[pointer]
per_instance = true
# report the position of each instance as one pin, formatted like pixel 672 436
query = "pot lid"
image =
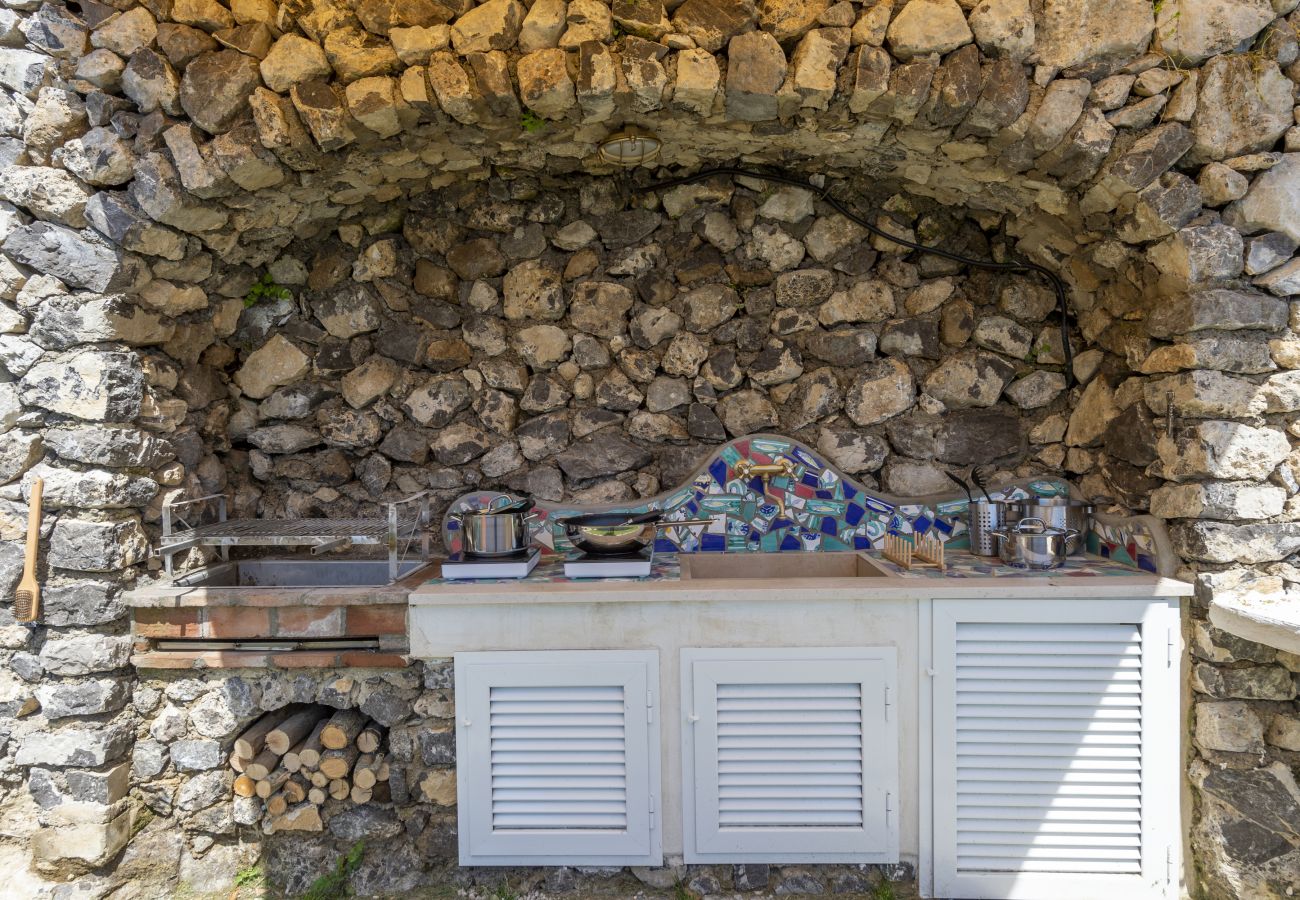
pixel 1036 526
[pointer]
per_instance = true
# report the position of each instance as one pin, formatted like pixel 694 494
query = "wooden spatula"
pixel 27 599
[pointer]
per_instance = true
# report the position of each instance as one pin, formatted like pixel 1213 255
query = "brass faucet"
pixel 747 468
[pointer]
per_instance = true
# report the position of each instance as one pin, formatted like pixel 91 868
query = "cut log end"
pixel 338 763
pixel 370 738
pixel 277 804
pixel 342 728
pixel 286 735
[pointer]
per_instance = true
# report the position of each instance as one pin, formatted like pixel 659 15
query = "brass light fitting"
pixel 633 146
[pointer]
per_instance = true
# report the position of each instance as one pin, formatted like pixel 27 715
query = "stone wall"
pixel 517 335
pixel 160 158
pixel 199 834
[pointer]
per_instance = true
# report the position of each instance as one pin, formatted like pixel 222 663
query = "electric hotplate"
pixel 624 565
pixel 461 566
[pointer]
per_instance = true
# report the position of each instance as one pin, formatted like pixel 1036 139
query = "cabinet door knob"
pixel 466 722
pixel 692 718
pixel 931 672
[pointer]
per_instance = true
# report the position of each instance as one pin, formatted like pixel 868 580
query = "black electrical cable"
pixel 781 178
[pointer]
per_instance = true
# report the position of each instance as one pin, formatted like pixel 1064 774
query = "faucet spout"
pixel 747 468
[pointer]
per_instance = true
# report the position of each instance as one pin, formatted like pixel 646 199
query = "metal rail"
pixel 396 531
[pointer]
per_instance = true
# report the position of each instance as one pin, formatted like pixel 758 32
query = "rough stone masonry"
pixel 475 300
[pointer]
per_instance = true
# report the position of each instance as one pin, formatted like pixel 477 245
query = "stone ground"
pixel 512 891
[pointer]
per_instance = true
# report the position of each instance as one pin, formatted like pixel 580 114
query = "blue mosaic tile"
pixel 718 471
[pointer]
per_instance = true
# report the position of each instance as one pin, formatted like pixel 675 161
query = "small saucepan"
pixel 1033 544
pixel 617 534
pixel 503 529
pixel 1060 512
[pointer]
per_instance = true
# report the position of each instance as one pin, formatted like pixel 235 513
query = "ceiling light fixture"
pixel 630 147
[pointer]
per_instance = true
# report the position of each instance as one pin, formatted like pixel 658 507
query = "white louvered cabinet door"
pixel 557 758
pixel 789 755
pixel 1056 750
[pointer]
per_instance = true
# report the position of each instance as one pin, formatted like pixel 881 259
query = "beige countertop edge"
pixel 172 596
pixel 1270 620
pixel 794 590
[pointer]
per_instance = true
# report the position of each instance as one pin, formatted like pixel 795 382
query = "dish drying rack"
pixel 396 531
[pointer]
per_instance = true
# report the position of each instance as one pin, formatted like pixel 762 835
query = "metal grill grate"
pixel 263 532
pixel 396 531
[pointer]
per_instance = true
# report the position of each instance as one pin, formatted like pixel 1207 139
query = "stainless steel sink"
pixel 773 566
pixel 293 573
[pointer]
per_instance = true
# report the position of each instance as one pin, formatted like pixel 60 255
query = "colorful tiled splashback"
pixel 1130 543
pixel 813 507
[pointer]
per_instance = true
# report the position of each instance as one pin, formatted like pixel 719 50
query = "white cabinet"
pixel 789 755
pixel 557 756
pixel 1055 749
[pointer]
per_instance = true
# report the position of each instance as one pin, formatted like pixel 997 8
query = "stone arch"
pixel 159 158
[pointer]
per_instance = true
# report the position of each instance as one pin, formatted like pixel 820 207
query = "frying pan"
pixel 617 534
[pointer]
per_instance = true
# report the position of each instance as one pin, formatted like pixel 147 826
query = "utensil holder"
pixel 984 517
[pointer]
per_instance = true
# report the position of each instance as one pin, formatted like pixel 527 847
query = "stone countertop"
pixel 1269 619
pixel 963 575
pixel 164 594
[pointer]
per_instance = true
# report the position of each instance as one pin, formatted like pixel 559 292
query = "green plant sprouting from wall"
pixel 252 876
pixel 266 288
pixel 531 122
pixel 334 885
pixel 883 891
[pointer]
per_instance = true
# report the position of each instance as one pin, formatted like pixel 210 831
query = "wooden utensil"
pixel 27 599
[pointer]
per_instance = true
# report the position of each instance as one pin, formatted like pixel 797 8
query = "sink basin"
pixel 297 573
pixel 770 566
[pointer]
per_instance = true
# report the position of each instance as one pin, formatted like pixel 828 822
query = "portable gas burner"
pixel 461 566
pixel 616 565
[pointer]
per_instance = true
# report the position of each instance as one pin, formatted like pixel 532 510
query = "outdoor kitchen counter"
pixel 230 626
pixel 864 603
pixel 165 594
pixel 964 575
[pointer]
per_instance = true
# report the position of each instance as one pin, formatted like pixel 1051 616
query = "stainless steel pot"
pixel 1033 544
pixel 1058 512
pixel 617 534
pixel 503 530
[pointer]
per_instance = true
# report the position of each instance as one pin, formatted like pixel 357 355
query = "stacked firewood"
pixel 297 758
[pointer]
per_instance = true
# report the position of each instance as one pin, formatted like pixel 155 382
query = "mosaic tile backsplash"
pixel 813 508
